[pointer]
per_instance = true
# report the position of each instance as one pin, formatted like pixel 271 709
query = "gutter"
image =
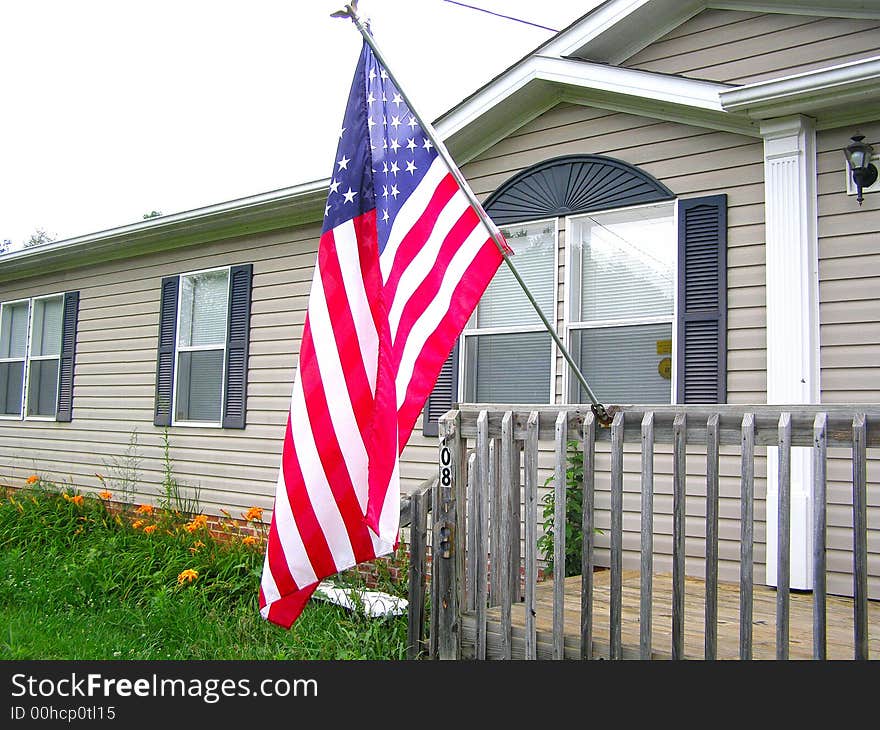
pixel 265 211
pixel 805 91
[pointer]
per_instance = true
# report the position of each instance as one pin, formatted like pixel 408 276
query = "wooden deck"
pixel 839 622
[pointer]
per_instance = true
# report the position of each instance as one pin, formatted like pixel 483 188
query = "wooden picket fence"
pixel 486 601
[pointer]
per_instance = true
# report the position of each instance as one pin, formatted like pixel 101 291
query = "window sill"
pixel 196 424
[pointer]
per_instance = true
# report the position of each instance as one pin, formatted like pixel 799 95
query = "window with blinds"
pixel 36 371
pixel 13 353
pixel 45 356
pixel 508 354
pixel 622 303
pixel 201 346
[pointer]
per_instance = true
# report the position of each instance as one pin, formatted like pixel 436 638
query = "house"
pixel 672 178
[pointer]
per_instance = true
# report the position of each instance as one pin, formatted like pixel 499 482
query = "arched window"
pixel 644 313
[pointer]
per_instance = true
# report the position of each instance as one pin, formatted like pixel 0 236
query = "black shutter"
pixel 443 396
pixel 64 411
pixel 702 300
pixel 235 400
pixel 165 350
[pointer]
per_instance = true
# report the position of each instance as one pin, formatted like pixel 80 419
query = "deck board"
pixel 840 613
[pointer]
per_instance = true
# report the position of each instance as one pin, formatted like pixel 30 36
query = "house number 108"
pixel 445 470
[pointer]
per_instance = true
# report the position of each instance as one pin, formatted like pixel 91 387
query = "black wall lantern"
pixel 864 173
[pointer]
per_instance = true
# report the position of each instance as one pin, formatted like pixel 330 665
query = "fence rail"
pixel 488 467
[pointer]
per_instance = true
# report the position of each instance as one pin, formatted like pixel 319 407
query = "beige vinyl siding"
pixel 743 47
pixel 115 371
pixel 691 162
pixel 849 312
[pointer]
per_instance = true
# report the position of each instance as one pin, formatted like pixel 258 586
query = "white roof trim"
pixel 631 82
pixel 296 204
pixel 702 95
pixel 826 87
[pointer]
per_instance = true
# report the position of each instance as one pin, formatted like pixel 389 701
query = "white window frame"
pixel 31 358
pixel 199 348
pixel 572 325
pixel 471 330
pixel 24 360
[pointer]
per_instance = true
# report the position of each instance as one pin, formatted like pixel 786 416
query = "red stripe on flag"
pixel 345 333
pixel 287 610
pixel 414 239
pixel 426 292
pixel 310 532
pixel 437 346
pixel 332 459
pixel 381 444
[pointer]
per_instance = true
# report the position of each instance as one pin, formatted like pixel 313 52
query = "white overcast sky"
pixel 111 109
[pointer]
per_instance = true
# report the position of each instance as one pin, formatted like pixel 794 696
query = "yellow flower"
pixel 32 479
pixel 150 529
pixel 105 494
pixel 137 523
pixel 187 576
pixel 253 514
pixel 249 540
pixel 66 496
pixel 145 509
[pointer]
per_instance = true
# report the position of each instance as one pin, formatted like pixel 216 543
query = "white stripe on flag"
pixel 434 313
pixel 342 415
pixel 320 495
pixel 424 261
pixel 410 212
pixel 292 546
pixel 353 280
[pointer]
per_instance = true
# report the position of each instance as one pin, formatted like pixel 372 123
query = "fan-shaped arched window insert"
pixel 573 184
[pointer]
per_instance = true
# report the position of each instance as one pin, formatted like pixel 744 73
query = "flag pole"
pixel 350 11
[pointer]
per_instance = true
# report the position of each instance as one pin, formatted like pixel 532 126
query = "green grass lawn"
pixel 78 582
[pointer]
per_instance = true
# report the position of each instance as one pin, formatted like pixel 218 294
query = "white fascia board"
pixel 486 99
pixel 287 206
pixel 600 20
pixel 805 92
pixel 702 95
pixel 565 75
pixel 837 9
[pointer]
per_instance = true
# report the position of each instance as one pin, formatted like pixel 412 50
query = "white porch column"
pixel 792 319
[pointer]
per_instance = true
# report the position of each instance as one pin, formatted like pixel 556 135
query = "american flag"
pixel 402 261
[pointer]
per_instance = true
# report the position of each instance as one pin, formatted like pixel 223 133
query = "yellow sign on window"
pixel 664 347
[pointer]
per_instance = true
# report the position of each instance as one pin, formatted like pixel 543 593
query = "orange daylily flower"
pixel 249 540
pixel 187 576
pixel 32 479
pixel 77 499
pixel 195 546
pixel 105 494
pixel 197 522
pixel 254 513
pixel 137 523
pixel 145 509
pixel 150 529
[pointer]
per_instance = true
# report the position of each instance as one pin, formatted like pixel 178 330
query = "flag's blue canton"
pixel 384 174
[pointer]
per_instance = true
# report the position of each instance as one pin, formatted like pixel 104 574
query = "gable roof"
pixel 579 65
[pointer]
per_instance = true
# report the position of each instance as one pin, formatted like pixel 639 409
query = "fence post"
pixel 448 531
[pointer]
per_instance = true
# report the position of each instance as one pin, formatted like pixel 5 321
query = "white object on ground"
pixel 375 603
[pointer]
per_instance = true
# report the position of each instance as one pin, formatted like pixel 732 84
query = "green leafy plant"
pixel 124 471
pixel 172 498
pixel 574 493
